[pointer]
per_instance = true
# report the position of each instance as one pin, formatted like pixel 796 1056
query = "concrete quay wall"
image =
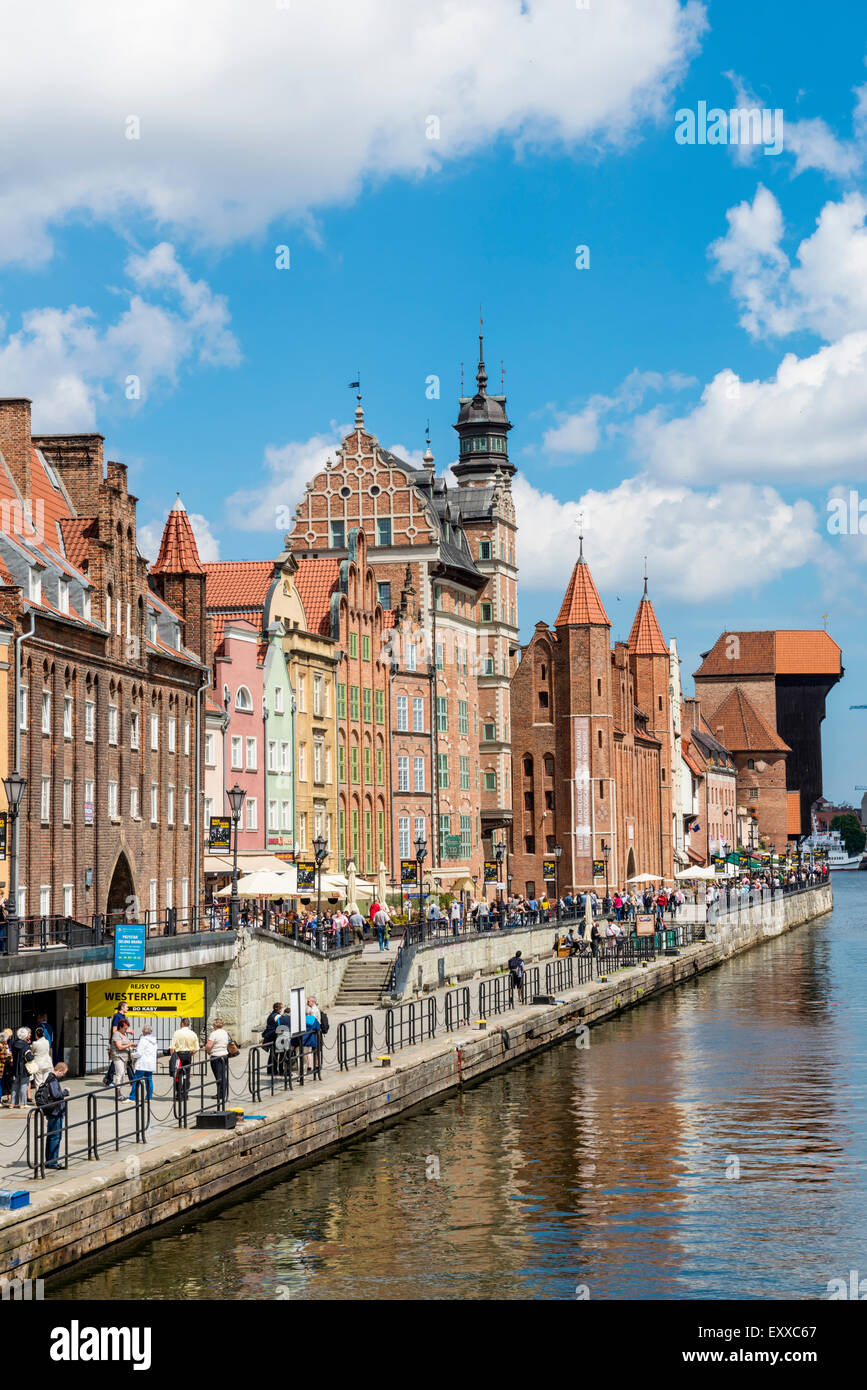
pixel 90 1211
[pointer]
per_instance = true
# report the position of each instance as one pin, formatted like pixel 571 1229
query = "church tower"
pixel 487 513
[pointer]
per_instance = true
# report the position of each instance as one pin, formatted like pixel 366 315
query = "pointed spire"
pixel 646 637
pixel 481 374
pixel 179 553
pixel 645 576
pixel 581 604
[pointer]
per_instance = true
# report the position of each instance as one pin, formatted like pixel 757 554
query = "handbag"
pixel 32 1068
pixel 232 1048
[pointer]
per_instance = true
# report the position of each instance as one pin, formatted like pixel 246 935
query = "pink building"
pixel 239 688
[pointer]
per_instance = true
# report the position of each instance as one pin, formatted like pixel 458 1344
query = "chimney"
pixel 15 441
pixel 116 475
pixel 78 459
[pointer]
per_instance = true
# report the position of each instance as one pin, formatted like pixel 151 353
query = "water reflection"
pixel 710 1144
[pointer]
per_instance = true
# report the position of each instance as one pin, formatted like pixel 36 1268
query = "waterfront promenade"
pixel 78 1212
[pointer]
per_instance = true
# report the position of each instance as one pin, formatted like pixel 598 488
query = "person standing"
pixel 356 922
pixel 185 1045
pixel 47 1030
pixel 42 1056
pixel 51 1098
pixel 516 976
pixel 380 923
pixel 145 1059
pixel 7 1064
pixel 119 1049
pixel 21 1055
pixel 217 1048
pixel 119 1013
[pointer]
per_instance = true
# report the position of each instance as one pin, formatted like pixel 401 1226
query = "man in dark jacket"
pixel 53 1106
pixel 516 976
pixel 270 1033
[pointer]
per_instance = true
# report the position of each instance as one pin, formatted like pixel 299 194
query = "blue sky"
pixel 698 392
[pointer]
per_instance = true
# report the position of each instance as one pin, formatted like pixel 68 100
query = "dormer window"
pixel 35 589
pixel 85 604
pixel 152 627
pixel 63 595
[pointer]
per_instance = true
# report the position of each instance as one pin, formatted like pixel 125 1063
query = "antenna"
pixel 427 434
pixel 645 576
pixel 502 378
pixel 580 524
pixel 462 378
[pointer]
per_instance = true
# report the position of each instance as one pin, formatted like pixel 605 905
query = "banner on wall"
pixel 164 997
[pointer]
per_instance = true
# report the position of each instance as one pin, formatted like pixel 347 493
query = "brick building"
pixel 766 691
pixel 591 747
pixel 105 718
pixel 445 569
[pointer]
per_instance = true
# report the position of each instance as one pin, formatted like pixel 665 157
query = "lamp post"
pixel 420 856
pixel 499 855
pixel 606 853
pixel 14 786
pixel 236 801
pixel 558 850
pixel 320 850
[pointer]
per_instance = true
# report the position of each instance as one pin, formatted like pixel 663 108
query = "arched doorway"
pixel 630 866
pixel 122 888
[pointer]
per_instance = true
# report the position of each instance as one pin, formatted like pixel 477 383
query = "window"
pixel 89 720
pixel 326 691
pixel 528 801
pixel 67 800
pixel 68 892
pixel 45 803
pixel 35 586
pixel 133 732
pixel 187 737
pixel 598 686
pixel 368 766
pixel 402 773
pixel 173 733
pixel 152 896
pixel 112 801
pixel 367 704
pixel 155 732
pixel 528 766
pixel 465 773
pixel 302 694
pixel 463 718
pixel 445 829
pixel 440 656
pixel 185 895
pixel 170 805
pixel 278 700
pixel 252 754
pixel 341 700
pixel 383 593
pixel 338 535
pixel 317 696
pixel 272 814
pixel 488 666
pixel 341 762
pixel 46 711
pixel 418 714
pixel 63 595
pixel 466 837
pixel 170 892
pixel 67 716
pixel 353 762
pixel 272 755
pixel 411 657
pixel 490 781
pixel 44 900
pixel 380 706
pixel 403 837
pixel 85 604
pixel 112 725
pixel 529 844
pixel 487 612
pixel 302 830
pixel 285 815
pixel 754 791
pixel 543 699
pixel 549 766
pixel 210 758
pixel 380 767
pixel 155 803
pixel 302 762
pixel 402 712
pixel 549 801
pixel 489 733
pixel 353 644
pixel 133 803
pixel 442 715
pixel 88 802
pixel 236 757
pixel 365 647
pixel 484 550
pixel 318 760
pixel 186 805
pixel 443 770
pixel 353 702
pixel 252 813
pixel 383 530
pixel 418 774
pixel 751 764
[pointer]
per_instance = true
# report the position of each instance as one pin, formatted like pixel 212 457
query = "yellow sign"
pixel 147 998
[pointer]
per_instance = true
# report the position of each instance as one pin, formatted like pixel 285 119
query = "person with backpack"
pixel 51 1099
pixel 516 976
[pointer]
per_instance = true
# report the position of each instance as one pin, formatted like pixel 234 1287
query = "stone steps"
pixel 363 982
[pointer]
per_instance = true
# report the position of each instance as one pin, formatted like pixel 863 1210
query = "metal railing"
pixel 408 1024
pixel 457 1008
pixel 559 975
pixel 355 1042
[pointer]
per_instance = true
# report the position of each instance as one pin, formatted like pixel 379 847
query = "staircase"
pixel 364 981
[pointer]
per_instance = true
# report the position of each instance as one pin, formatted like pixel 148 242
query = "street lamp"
pixel 499 855
pixel 14 786
pixel 320 850
pixel 558 850
pixel 606 852
pixel 236 801
pixel 420 856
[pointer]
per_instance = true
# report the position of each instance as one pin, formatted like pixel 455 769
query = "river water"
pixel 710 1144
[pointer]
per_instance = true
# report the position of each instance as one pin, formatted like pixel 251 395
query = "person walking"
pixel 51 1099
pixel 22 1055
pixel 516 977
pixel 145 1060
pixel 185 1045
pixel 380 923
pixel 356 922
pixel 217 1048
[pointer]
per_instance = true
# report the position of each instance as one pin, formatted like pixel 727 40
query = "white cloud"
pixel 581 432
pixel 72 366
pixel 270 506
pixel 702 545
pixel 149 536
pixel 251 113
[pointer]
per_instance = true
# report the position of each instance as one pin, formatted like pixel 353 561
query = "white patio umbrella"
pixel 697 871
pixel 644 878
pixel 263 883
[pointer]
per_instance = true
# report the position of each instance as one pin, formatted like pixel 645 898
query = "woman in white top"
pixel 217 1048
pixel 145 1058
pixel 41 1050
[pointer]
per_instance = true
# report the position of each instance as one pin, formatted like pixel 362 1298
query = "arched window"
pixel 750 764
pixel 528 767
pixel 243 698
pixel 549 766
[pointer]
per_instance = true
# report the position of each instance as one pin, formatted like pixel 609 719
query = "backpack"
pixel 44 1099
pixel 323 1023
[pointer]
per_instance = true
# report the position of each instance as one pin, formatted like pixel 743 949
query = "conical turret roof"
pixel 179 553
pixel 646 637
pixel 581 604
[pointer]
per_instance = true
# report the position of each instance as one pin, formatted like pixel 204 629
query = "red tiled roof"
pixel 793 813
pixel 220 621
pixel 5 576
pixel 238 584
pixel 316 579
pixel 646 637
pixel 178 550
pixel 690 761
pixel 807 653
pixel 76 532
pixel 788 652
pixel 744 729
pixel 581 604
